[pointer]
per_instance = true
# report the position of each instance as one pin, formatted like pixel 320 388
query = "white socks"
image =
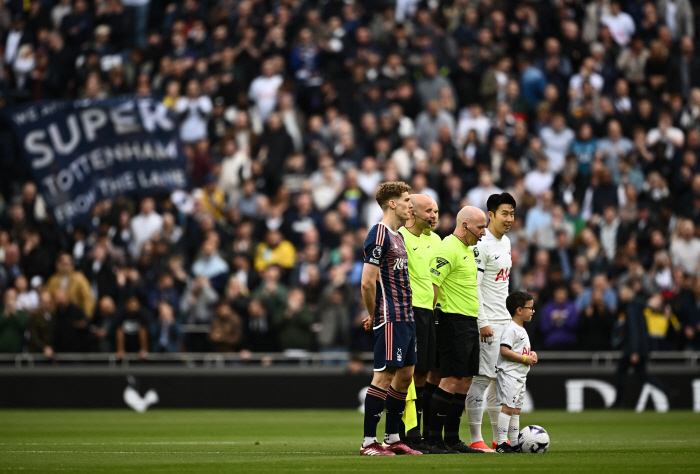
pixel 492 407
pixel 368 440
pixel 514 429
pixel 503 425
pixel 475 406
pixel 392 438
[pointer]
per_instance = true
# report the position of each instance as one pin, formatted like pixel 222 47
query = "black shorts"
pixel 457 338
pixel 425 337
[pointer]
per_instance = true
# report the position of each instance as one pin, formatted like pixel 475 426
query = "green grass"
pixel 283 441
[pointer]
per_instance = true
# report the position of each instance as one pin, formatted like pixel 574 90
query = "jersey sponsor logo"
pixel 441 262
pixel 435 272
pixel 526 351
pixel 503 275
pixel 399 263
pixel 477 260
pixel 377 252
pixel 373 260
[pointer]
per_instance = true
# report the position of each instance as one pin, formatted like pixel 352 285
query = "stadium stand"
pixel 292 112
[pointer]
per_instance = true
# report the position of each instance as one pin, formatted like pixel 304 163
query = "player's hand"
pixel 485 333
pixel 368 323
pixel 530 360
pixel 534 356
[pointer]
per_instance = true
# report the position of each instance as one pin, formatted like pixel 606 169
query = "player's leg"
pixel 425 337
pixel 431 384
pixel 454 418
pixel 507 396
pixel 467 349
pixel 442 397
pixel 475 409
pixel 514 430
pixel 404 341
pixel 375 399
pixel 483 390
pixel 493 408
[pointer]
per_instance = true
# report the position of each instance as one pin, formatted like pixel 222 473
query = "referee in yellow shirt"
pixel 419 238
pixel 453 273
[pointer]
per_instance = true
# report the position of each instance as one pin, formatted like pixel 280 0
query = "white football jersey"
pixel 515 338
pixel 493 259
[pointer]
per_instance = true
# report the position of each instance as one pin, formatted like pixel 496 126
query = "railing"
pixel 603 359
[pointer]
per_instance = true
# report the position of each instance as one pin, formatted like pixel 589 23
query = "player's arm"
pixel 482 320
pixel 368 288
pixel 513 356
pixel 440 267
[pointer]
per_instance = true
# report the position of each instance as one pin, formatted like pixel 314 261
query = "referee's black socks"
pixel 454 417
pixel 428 391
pixel 439 408
pixel 414 433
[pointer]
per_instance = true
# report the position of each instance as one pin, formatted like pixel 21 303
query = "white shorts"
pixel 488 354
pixel 509 391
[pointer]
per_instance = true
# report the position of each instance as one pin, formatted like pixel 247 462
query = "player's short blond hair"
pixel 390 190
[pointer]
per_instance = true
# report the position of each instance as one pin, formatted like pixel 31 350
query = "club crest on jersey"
pixel 399 356
pixel 476 252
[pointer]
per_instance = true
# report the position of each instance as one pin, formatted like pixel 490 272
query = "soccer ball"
pixel 533 439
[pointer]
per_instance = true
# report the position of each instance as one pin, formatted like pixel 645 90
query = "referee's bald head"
pixel 421 201
pixel 471 215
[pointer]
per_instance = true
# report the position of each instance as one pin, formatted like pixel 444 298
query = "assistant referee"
pixel 453 273
pixel 419 238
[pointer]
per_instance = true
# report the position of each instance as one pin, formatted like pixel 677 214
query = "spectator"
pixel 263 90
pixel 620 23
pixel 132 329
pixel 194 110
pixel 102 327
pixel 144 226
pixel 71 327
pixel 166 331
pixel 226 333
pixel 41 327
pixel 74 283
pixel 197 303
pixel 275 250
pixel 27 297
pixel 293 326
pixel 13 323
pixel 662 324
pixel 557 140
pixel 595 325
pixel 685 247
pixel 559 321
pixel 211 265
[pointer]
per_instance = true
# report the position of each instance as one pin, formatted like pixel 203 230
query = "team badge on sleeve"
pixel 377 252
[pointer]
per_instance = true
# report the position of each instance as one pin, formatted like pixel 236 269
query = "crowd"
pixel 293 111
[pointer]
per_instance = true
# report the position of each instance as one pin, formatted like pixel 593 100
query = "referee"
pixel 418 236
pixel 453 273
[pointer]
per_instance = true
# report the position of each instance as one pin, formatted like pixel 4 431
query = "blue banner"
pixel 82 152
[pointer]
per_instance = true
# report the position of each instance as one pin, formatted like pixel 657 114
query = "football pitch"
pixel 284 441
